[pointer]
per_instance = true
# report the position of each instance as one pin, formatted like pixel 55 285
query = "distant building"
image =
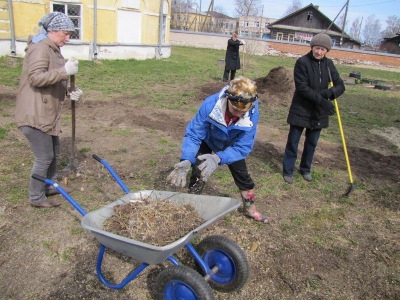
pixel 391 45
pixel 255 27
pixel 189 18
pixel 224 24
pixel 303 24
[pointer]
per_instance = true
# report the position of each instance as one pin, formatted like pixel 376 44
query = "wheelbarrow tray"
pixel 209 208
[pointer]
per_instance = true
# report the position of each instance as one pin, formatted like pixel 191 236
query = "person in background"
pixel 311 104
pixel 232 57
pixel 40 98
pixel 222 133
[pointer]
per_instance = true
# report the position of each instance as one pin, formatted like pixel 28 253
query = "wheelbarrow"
pixel 221 264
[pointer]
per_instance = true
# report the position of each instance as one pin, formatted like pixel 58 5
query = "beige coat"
pixel 42 88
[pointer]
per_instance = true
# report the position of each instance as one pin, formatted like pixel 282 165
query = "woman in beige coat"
pixel 40 97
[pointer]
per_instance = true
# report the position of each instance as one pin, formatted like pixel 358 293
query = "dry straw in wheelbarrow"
pixel 157 223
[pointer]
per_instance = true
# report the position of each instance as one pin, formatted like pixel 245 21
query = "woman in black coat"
pixel 311 104
pixel 232 57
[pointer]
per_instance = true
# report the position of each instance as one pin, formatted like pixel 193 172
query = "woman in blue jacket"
pixel 311 104
pixel 222 132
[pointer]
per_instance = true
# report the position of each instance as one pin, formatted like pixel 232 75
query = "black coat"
pixel 232 57
pixel 311 77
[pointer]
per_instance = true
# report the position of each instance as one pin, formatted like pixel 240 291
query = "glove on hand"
pixel 327 94
pixel 243 42
pixel 209 165
pixel 71 66
pixel 327 106
pixel 76 95
pixel 178 176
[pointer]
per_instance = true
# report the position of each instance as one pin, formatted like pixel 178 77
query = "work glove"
pixel 76 94
pixel 327 106
pixel 327 94
pixel 178 176
pixel 71 66
pixel 243 42
pixel 208 166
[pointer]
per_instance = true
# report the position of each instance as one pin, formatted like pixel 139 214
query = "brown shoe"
pixel 46 204
pixel 53 191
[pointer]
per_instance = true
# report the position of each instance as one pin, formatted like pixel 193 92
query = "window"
pixel 246 23
pixel 266 24
pixel 74 12
pixel 309 16
pixel 257 24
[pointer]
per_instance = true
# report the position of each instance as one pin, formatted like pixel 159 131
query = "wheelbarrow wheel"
pixel 181 282
pixel 233 268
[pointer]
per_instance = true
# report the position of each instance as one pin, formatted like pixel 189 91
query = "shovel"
pixel 72 166
pixel 351 187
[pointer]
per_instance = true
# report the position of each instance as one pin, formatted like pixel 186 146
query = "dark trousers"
pixel 290 156
pixel 46 149
pixel 238 170
pixel 226 74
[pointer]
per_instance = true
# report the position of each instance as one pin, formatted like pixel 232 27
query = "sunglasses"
pixel 241 104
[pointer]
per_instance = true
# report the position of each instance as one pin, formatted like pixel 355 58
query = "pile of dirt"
pixel 158 223
pixel 277 87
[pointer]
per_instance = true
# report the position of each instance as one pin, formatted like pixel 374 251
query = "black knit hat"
pixel 323 40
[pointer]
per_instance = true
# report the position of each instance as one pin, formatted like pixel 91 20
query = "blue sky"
pixel 357 8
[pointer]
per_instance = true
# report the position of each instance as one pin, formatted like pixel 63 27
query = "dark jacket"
pixel 232 57
pixel 311 77
pixel 42 88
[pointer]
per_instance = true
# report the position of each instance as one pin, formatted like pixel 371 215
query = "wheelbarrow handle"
pixel 62 192
pixel 38 177
pixel 96 157
pixel 112 172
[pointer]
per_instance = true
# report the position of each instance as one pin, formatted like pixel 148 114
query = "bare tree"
pixel 355 29
pixel 179 11
pixel 392 28
pixel 340 22
pixel 372 31
pixel 295 6
pixel 248 7
pixel 219 9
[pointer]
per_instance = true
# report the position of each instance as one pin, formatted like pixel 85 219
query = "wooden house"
pixel 303 24
pixel 391 45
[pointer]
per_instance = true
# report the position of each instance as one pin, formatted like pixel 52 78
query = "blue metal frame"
pixel 143 266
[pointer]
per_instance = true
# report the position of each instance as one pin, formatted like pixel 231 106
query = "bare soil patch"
pixel 45 254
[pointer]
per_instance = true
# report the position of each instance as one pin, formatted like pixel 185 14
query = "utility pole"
pixel 199 17
pixel 262 13
pixel 344 23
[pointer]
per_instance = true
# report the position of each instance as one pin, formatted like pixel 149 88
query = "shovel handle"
pixel 342 134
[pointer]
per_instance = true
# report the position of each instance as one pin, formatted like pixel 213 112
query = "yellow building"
pixel 105 29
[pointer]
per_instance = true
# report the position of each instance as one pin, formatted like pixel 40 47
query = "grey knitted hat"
pixel 56 21
pixel 323 40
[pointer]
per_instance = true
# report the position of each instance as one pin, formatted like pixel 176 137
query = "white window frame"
pixel 80 38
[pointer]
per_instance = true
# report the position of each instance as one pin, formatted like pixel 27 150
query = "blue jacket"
pixel 231 143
